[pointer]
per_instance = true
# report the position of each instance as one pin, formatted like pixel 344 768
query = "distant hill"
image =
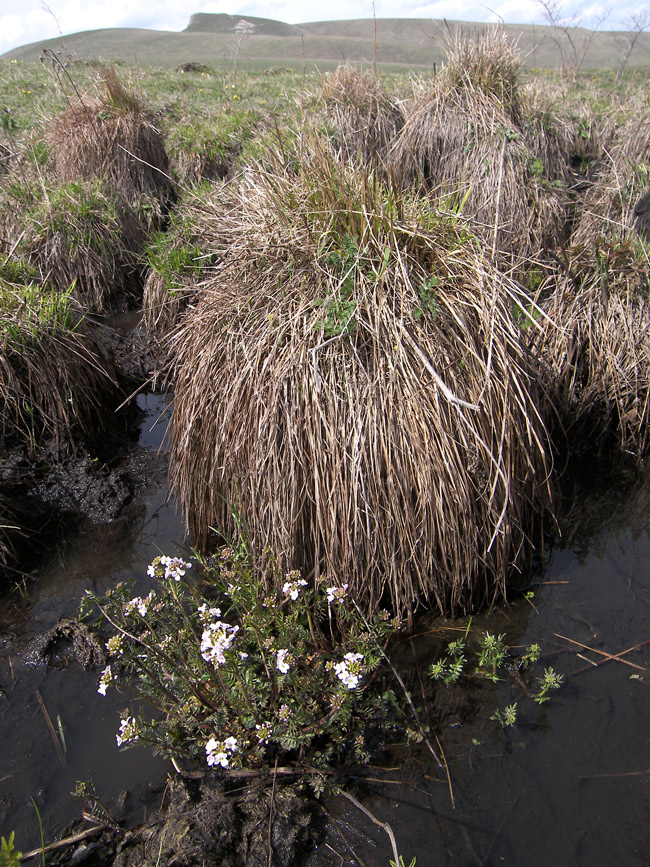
pixel 402 43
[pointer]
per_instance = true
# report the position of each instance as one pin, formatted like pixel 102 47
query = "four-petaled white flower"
pixel 216 639
pixel 284 713
pixel 220 752
pixel 115 644
pixel 292 588
pixel 168 567
pixel 349 671
pixel 139 604
pixel 264 732
pixel 207 614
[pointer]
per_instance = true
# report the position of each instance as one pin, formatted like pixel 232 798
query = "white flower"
pixel 283 661
pixel 128 732
pixel 284 713
pixel 336 594
pixel 138 602
pixel 349 671
pixel 219 752
pixel 292 588
pixel 216 639
pixel 206 614
pixel 174 567
pixel 105 679
pixel 168 567
pixel 264 732
pixel 114 645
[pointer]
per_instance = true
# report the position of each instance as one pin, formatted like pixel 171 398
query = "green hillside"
pixel 401 43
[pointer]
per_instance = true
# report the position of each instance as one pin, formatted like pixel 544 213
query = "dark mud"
pixel 208 823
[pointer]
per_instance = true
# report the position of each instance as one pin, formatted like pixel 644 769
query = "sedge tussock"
pixel 608 211
pixel 596 346
pixel 472 137
pixel 77 234
pixel 53 379
pixel 364 118
pixel 112 136
pixel 178 257
pixel 351 391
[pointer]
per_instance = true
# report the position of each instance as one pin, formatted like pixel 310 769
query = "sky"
pixel 32 20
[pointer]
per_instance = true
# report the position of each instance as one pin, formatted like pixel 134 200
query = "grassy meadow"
pixel 387 304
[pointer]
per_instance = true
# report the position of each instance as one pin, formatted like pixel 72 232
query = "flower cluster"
pixel 336 594
pixel 220 752
pixel 216 639
pixel 142 605
pixel 168 567
pixel 208 614
pixel 129 732
pixel 115 644
pixel 264 732
pixel 293 585
pixel 349 671
pixel 105 680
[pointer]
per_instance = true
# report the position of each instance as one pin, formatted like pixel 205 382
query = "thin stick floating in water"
pixel 609 656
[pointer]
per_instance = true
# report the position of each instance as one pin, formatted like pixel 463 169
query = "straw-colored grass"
pixel 53 381
pixel 364 118
pixel 112 136
pixel 472 137
pixel 596 345
pixel 624 177
pixel 351 393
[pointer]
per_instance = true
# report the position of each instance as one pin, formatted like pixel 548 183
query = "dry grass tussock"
pixel 365 119
pixel 53 381
pixel 111 135
pixel 472 137
pixel 624 176
pixel 351 392
pixel 597 348
pixel 600 350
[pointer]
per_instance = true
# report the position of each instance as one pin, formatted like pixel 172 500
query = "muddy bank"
pixel 90 480
pixel 211 823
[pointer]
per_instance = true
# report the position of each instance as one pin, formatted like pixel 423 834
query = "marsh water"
pixel 33 777
pixel 569 784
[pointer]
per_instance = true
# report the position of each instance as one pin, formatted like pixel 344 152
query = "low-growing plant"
pixel 490 658
pixel 240 678
pixel 9 855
